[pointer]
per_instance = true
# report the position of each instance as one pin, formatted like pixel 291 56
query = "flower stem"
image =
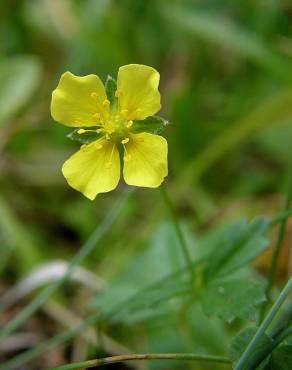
pixel 58 339
pixel 144 356
pixel 178 231
pixel 241 364
pixel 83 252
pixel 277 249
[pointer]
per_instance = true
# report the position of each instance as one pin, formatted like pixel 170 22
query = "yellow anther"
pixel 127 158
pixel 125 141
pixel 98 146
pixel 94 95
pixel 96 116
pixel 106 103
pixel 139 110
pixel 81 131
pixel 119 93
pixel 129 124
pixel 107 136
pixel 124 112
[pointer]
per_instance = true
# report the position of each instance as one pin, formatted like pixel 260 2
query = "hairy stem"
pixel 144 356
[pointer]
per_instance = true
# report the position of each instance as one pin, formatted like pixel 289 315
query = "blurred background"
pixel 226 85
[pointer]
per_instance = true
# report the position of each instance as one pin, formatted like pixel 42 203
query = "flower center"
pixel 116 127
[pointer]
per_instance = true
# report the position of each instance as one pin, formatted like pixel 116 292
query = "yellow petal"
pixel 137 87
pixel 94 169
pixel 145 160
pixel 79 101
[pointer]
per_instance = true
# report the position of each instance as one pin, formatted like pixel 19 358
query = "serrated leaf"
pixel 232 299
pixel 84 138
pixel 240 343
pixel 240 244
pixel 153 124
pixel 281 358
pixel 110 89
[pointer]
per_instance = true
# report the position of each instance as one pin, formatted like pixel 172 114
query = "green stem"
pixel 277 249
pixel 144 356
pixel 178 231
pixel 284 321
pixel 241 365
pixel 268 349
pixel 84 251
pixel 43 347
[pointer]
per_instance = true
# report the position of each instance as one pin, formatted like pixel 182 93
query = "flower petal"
pixel 145 160
pixel 78 101
pixel 138 91
pixel 94 169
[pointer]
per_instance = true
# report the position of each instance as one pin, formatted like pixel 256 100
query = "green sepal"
pixel 110 89
pixel 85 138
pixel 152 124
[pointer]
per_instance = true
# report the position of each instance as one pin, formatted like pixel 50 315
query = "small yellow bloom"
pixel 82 102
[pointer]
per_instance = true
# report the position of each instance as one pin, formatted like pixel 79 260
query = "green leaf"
pixel 111 88
pixel 281 358
pixel 19 79
pixel 240 343
pixel 153 124
pixel 155 264
pixel 231 299
pixel 84 138
pixel 240 244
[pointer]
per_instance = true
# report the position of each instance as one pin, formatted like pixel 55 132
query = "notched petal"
pixel 94 169
pixel 137 86
pixel 145 160
pixel 78 101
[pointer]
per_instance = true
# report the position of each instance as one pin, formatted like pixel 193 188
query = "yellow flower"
pixel 82 102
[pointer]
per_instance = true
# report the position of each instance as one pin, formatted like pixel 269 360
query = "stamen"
pixel 124 112
pixel 139 110
pixel 129 124
pixel 109 163
pixel 96 116
pixel 106 103
pixel 119 93
pixel 127 156
pixel 98 146
pixel 93 95
pixel 125 141
pixel 81 131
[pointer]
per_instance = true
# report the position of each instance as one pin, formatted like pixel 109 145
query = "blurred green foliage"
pixel 226 84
